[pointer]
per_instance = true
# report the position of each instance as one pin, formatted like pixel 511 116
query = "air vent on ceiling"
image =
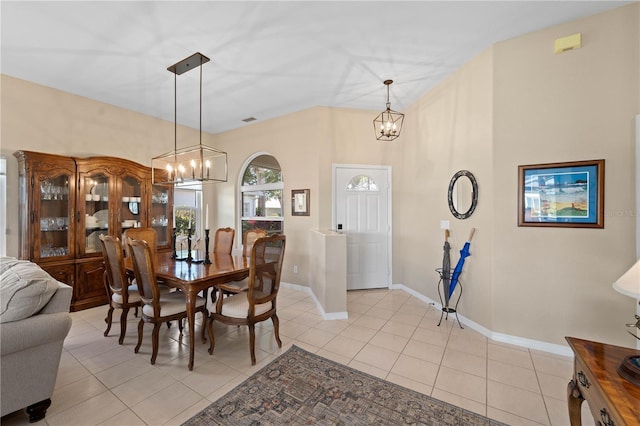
pixel 249 119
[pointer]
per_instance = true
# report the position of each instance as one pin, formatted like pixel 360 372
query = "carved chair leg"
pixel 123 324
pixel 140 327
pixel 108 320
pixel 154 334
pixel 252 343
pixel 38 410
pixel 212 341
pixel 276 329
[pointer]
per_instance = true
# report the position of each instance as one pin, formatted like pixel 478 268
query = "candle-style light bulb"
pixel 193 169
pixel 208 165
pixel 181 170
pixel 169 170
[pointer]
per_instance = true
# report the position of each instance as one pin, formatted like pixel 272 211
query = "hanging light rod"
pixel 388 123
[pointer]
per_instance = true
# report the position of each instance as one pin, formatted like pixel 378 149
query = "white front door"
pixel 362 211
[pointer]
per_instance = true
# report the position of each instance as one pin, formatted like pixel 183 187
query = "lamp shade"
pixel 629 283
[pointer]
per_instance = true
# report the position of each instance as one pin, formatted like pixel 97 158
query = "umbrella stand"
pixel 446 307
pixel 451 279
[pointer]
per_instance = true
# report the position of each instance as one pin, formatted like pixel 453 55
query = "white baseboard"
pixel 498 337
pixel 325 315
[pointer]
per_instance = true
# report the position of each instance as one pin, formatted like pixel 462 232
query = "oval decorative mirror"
pixel 463 194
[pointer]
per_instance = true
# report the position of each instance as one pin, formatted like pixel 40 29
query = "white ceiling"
pixel 268 58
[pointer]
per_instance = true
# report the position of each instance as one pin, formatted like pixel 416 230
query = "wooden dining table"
pixel 192 278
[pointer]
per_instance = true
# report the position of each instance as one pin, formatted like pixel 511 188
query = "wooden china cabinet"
pixel 66 203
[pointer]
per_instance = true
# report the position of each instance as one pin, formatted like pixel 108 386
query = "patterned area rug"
pixel 300 388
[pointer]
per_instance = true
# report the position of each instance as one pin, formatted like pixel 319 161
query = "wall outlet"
pixel 295 269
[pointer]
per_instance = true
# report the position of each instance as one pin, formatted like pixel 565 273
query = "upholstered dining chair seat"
pixel 237 306
pixel 171 304
pixel 134 296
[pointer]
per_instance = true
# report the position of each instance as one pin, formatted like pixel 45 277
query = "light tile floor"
pixel 389 334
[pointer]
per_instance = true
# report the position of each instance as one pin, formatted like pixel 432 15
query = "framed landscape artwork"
pixel 562 194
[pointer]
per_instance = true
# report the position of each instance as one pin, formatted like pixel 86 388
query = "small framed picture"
pixel 568 195
pixel 300 202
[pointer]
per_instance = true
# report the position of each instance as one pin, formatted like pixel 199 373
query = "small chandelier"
pixel 388 123
pixel 197 163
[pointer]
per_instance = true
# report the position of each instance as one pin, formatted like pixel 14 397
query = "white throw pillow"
pixel 24 289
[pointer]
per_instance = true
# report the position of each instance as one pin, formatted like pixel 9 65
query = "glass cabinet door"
pixel 54 212
pixel 161 214
pixel 131 196
pixel 95 217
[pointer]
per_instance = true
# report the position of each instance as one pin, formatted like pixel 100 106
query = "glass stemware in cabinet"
pixel 54 210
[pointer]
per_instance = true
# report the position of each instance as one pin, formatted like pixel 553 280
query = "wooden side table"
pixel 612 399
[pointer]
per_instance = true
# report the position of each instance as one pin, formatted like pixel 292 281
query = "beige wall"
pixel 515 103
pixel 448 130
pixel 578 105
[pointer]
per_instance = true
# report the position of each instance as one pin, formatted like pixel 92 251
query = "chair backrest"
pixel 223 240
pixel 265 270
pixel 144 270
pixel 250 237
pixel 114 265
pixel 145 234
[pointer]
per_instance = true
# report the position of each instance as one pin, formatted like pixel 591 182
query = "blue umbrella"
pixel 464 253
pixel 446 268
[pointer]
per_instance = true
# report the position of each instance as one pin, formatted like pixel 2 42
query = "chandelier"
pixel 388 123
pixel 197 163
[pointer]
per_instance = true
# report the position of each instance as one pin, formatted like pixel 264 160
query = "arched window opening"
pixel 362 183
pixel 262 195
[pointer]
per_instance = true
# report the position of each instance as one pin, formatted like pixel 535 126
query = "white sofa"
pixel 34 321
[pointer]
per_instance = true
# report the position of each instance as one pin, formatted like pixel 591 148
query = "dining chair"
pixel 157 307
pixel 258 303
pixel 223 240
pixel 249 238
pixel 146 234
pixel 151 237
pixel 121 294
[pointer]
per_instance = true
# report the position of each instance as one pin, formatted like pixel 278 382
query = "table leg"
pixel 191 318
pixel 574 401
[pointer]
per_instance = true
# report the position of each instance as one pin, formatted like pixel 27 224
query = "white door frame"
pixel 334 225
